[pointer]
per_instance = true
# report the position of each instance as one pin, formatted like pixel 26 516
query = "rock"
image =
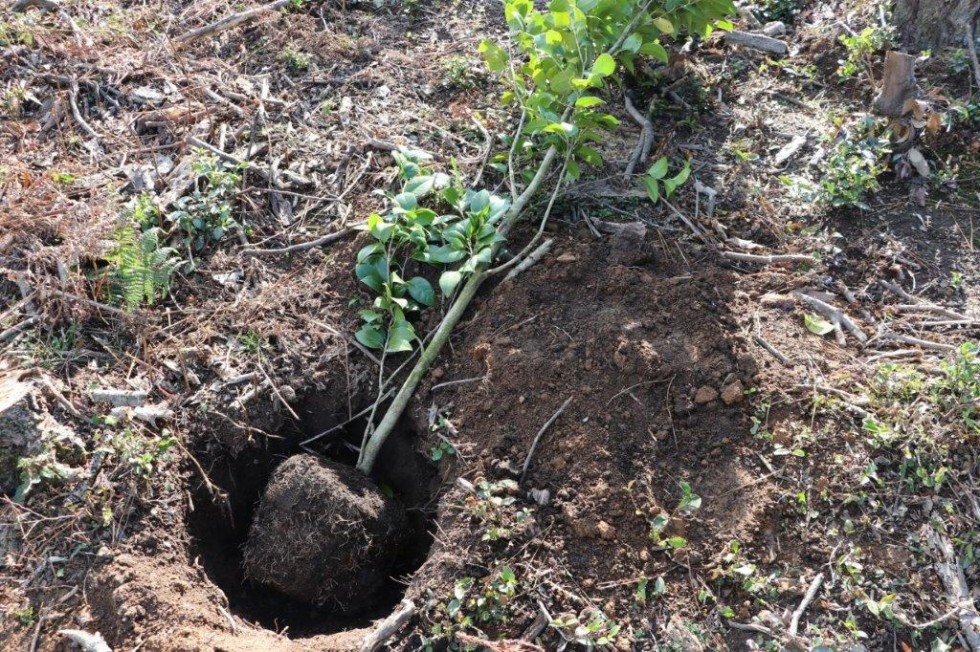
pixel 774 28
pixel 566 258
pixel 629 246
pixel 733 393
pixel 541 496
pixel 705 394
pixel 682 406
pixel 606 531
pixel 324 534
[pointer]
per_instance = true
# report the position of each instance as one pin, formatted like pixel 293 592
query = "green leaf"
pixel 370 316
pixel 479 201
pixel 604 65
pixel 407 201
pixel 448 281
pixel 495 56
pixel 633 43
pixel 663 25
pixel 816 324
pixel 368 274
pixel 653 188
pixel 656 50
pixel 421 290
pixel 371 336
pixel 370 251
pixel 588 101
pixel 676 542
pixel 444 255
pixel 420 186
pixel 400 337
pixel 659 169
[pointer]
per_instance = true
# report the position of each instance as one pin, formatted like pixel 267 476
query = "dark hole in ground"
pixel 219 532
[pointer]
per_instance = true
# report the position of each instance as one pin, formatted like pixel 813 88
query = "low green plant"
pixel 476 603
pixel 139 267
pixel 855 161
pixel 205 215
pixel 592 628
pixel 781 10
pixel 26 616
pixel 659 185
pixel 441 450
pixel 296 61
pixel 458 73
pixel 492 505
pixel 861 49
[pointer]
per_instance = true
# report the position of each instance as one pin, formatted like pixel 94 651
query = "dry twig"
pixel 537 437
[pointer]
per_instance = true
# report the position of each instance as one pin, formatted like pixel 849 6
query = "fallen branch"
pixel 230 21
pixel 837 317
pixel 18 328
pixel 758 42
pixel 537 437
pixel 503 645
pixel 776 353
pixel 925 344
pixel 73 103
pixel 388 627
pixel 811 593
pixel 319 242
pixel 951 573
pixel 971 48
pixel 642 150
pixel 531 259
pixel 768 260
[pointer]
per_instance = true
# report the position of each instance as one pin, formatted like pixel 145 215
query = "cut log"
pixel 898 85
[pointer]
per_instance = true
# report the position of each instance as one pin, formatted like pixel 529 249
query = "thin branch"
pixel 537 437
pixel 767 260
pixel 319 242
pixel 811 593
pixel 229 21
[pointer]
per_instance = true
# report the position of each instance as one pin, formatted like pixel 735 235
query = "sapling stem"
pixel 371 448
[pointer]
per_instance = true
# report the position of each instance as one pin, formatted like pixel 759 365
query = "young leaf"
pixel 588 101
pixel 604 65
pixel 653 188
pixel 659 169
pixel 816 324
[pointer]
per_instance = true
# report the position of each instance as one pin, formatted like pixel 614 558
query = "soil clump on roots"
pixel 324 534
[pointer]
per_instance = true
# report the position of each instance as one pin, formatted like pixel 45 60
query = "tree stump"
pixel 898 85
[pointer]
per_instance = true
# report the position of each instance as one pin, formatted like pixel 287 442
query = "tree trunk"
pixel 933 24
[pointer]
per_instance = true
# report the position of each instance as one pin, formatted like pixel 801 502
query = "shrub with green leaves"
pixel 567 52
pixel 205 214
pixel 456 234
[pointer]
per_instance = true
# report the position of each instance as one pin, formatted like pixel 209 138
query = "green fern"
pixel 140 268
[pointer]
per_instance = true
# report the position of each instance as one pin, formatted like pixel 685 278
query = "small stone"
pixel 705 394
pixel 567 258
pixel 733 393
pixel 606 531
pixel 541 496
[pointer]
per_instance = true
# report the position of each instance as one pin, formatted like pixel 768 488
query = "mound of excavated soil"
pixel 324 534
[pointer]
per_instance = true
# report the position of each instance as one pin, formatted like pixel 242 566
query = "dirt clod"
pixel 705 394
pixel 324 534
pixel 732 393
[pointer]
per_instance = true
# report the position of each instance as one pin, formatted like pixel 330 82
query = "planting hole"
pixel 305 541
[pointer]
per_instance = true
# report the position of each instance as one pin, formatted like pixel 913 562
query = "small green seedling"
pixel 659 185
